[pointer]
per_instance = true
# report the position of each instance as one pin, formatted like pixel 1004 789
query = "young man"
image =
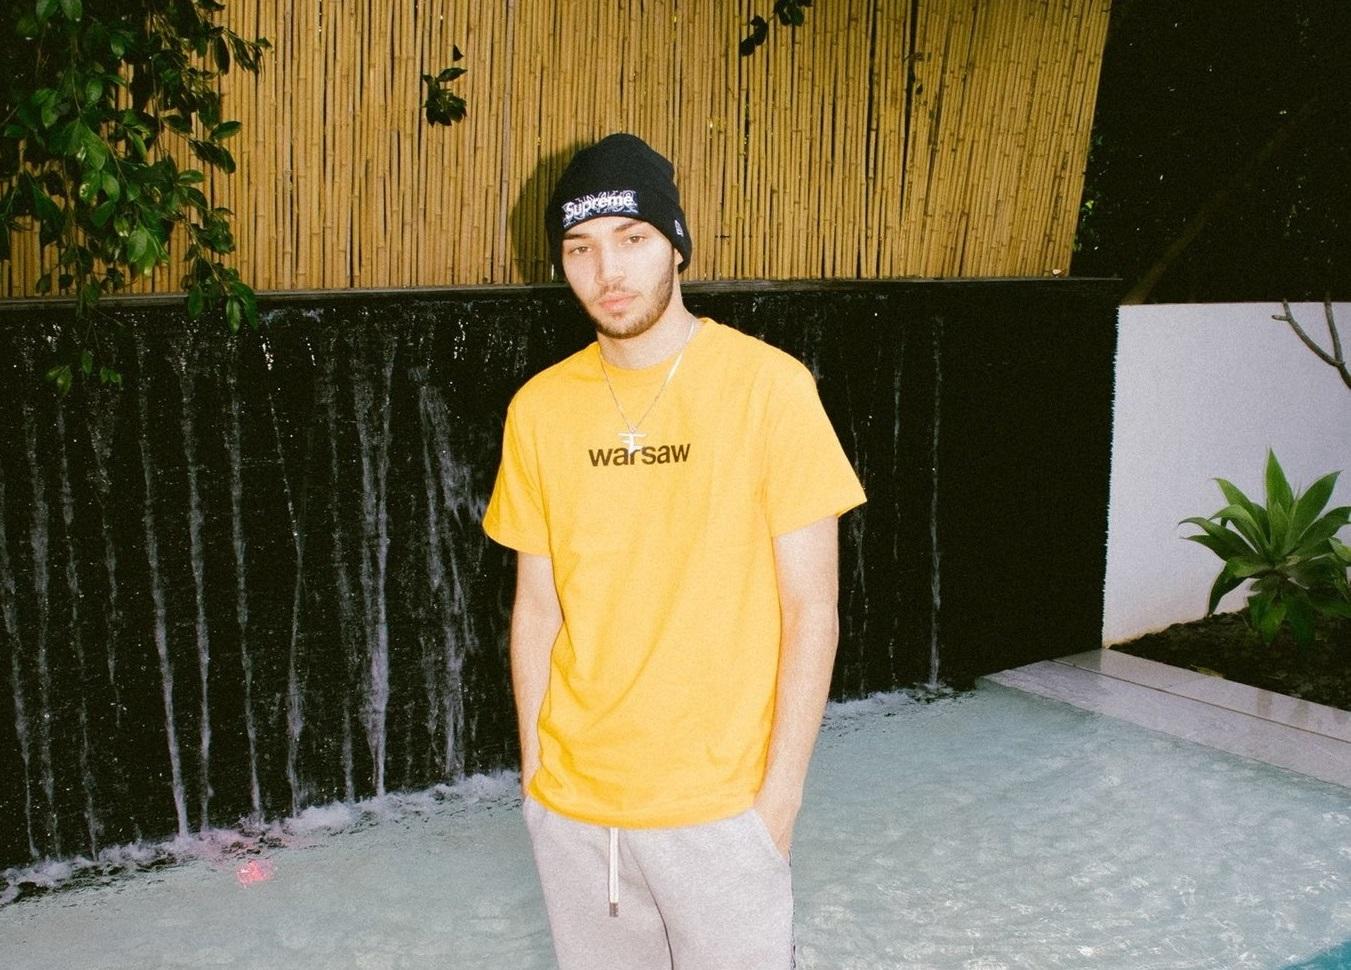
pixel 672 492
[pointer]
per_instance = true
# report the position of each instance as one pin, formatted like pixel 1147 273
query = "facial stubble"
pixel 661 300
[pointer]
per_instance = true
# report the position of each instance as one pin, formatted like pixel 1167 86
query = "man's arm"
pixel 806 560
pixel 535 620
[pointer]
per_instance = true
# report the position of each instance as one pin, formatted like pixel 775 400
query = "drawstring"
pixel 614 872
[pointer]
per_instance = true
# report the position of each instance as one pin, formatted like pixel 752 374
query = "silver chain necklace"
pixel 631 436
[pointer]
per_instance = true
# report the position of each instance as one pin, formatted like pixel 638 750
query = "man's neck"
pixel 660 341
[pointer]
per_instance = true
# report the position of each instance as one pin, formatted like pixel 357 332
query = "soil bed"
pixel 1224 644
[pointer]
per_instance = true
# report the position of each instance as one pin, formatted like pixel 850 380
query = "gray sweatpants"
pixel 716 896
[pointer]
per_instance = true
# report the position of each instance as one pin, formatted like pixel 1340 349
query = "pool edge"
pixel 1311 739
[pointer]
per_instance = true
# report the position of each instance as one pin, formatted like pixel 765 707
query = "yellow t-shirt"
pixel 662 679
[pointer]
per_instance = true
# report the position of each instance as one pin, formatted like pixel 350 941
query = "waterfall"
pixel 326 401
pixel 76 635
pixel 8 613
pixel 38 544
pixel 935 554
pixel 234 455
pixel 372 407
pixel 310 495
pixel 157 592
pixel 447 486
pixel 295 712
pixel 100 415
pixel 203 638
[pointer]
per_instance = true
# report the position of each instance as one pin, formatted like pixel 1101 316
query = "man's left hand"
pixel 779 815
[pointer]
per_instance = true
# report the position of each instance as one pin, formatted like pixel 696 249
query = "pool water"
pixel 987 831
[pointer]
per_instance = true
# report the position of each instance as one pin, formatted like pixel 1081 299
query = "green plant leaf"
pixel 213 155
pixel 73 9
pixel 89 146
pixel 1224 583
pixel 1245 567
pixel 1341 550
pixel 247 299
pixel 224 130
pixel 1219 540
pixel 1247 525
pixel 1278 524
pixel 44 10
pixel 1317 534
pixel 1235 496
pixel 89 188
pixel 1267 614
pixel 100 216
pixel 234 310
pixel 60 375
pixel 1300 615
pixel 1310 504
pixel 1331 605
pixel 221 51
pixel 43 206
pixel 1278 489
pixel 138 247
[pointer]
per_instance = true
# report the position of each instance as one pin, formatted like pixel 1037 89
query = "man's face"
pixel 622 270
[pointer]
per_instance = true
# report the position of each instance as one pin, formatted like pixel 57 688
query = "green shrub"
pixel 1288 549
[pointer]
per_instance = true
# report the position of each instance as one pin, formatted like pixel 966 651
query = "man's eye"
pixel 637 237
pixel 577 250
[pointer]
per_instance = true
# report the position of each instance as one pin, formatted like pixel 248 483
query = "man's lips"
pixel 617 301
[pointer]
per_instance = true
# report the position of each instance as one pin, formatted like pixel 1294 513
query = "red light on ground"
pixel 255 870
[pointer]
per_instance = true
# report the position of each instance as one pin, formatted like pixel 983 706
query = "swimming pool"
pixel 988 831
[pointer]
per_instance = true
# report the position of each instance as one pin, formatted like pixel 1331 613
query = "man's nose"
pixel 609 265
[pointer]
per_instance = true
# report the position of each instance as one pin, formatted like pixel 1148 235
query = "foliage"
pixel 1288 549
pixel 790 13
pixel 90 89
pixel 442 106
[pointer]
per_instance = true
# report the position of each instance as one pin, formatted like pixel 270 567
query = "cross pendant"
pixel 630 439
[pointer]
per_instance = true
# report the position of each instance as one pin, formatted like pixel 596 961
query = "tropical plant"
pixel 787 12
pixel 87 89
pixel 1288 549
pixel 443 106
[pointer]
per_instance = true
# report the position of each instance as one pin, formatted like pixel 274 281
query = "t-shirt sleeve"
pixel 807 475
pixel 515 514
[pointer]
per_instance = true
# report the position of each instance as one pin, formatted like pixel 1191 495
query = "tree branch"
pixel 1335 359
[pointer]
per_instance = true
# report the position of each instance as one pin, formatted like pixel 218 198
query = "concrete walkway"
pixel 1312 739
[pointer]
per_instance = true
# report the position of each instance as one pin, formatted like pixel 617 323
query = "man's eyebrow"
pixel 622 227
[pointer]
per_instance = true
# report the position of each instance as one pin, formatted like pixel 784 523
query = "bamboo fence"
pixel 883 138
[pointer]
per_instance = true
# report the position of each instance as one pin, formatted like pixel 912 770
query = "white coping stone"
pixel 1202 721
pixel 1213 689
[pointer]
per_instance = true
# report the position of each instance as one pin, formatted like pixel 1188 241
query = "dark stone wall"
pixel 273 537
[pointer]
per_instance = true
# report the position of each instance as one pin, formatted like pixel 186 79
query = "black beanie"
pixel 618 175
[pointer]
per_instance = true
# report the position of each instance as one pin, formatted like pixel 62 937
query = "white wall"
pixel 1201 392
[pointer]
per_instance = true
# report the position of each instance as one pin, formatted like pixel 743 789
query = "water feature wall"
pixel 252 579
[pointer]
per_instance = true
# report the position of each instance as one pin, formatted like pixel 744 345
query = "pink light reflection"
pixel 255 870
